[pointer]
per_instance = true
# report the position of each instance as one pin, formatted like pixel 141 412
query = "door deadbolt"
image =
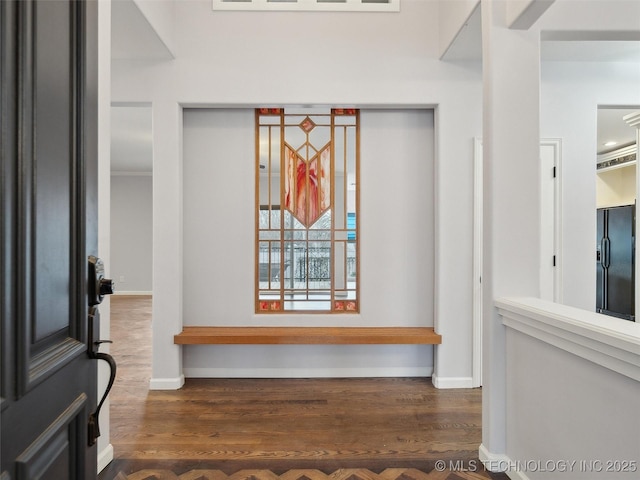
pixel 98 285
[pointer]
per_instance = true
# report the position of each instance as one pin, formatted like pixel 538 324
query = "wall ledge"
pixel 606 341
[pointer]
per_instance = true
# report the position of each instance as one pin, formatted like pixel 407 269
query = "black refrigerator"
pixel 615 260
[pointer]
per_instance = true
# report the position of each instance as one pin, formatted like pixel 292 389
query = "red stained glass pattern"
pixel 307 185
pixel 270 111
pixel 270 305
pixel 344 111
pixel 307 125
pixel 345 305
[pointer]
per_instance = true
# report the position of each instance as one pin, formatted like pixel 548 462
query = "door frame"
pixel 555 236
pixel 478 186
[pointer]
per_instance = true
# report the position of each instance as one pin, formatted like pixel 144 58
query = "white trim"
pixel 492 461
pixel 620 152
pixel 556 144
pixel 212 372
pixel 633 119
pixel 166 383
pixel 610 342
pixel 452 382
pixel 499 463
pixel 478 183
pixel 105 457
pixel 124 173
pixel 306 5
pixel 133 292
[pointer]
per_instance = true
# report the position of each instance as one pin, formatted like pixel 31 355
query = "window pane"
pixel 306 207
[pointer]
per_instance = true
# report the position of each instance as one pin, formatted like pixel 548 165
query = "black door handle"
pixel 92 351
pixel 94 418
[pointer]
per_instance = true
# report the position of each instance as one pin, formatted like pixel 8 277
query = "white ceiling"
pixel 611 127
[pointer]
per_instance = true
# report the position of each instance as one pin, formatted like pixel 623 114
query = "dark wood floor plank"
pixel 288 422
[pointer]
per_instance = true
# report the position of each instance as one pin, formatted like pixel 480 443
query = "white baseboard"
pixel 307 372
pixel 166 383
pixel 105 457
pixel 452 382
pixel 133 292
pixel 495 462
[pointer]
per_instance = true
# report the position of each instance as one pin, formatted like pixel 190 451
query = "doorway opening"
pixel 131 199
pixel 616 194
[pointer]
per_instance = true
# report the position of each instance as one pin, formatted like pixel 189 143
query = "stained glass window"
pixel 307 169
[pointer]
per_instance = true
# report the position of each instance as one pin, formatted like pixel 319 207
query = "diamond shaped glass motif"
pixel 307 125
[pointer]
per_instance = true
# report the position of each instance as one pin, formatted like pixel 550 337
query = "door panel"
pixel 48 192
pixel 52 142
pixel 51 454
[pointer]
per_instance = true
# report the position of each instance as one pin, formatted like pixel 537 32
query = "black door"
pixel 48 228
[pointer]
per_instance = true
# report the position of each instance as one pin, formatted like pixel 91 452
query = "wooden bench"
pixel 307 336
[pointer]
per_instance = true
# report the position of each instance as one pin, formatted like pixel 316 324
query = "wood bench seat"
pixel 307 336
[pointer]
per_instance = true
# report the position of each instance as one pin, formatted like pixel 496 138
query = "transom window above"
pixel 307 167
pixel 310 5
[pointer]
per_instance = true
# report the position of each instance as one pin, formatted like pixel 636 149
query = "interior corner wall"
pixel 571 93
pixel 396 252
pixel 131 233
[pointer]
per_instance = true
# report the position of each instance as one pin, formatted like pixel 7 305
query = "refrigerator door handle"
pixel 606 251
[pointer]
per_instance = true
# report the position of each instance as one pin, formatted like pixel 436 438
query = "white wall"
pixel 570 95
pixel 230 59
pixel 131 233
pixel 396 253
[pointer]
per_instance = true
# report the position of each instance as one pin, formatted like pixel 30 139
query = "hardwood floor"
pixel 282 424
